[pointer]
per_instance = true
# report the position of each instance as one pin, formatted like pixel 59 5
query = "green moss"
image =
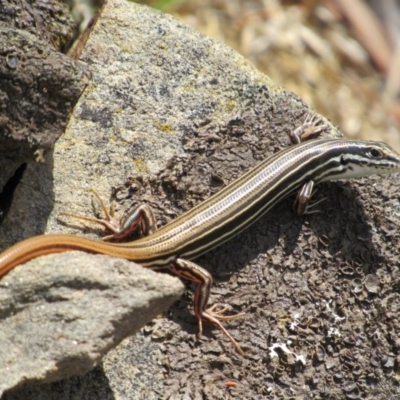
pixel 164 127
pixel 140 165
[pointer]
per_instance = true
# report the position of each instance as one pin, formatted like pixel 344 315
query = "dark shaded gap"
pixel 6 196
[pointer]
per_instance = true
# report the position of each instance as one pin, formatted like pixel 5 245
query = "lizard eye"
pixel 375 153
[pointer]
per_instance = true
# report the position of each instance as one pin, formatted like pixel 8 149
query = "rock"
pixel 62 313
pixel 39 88
pixel 189 115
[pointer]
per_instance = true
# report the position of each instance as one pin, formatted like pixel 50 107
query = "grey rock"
pixel 157 87
pixel 190 115
pixel 39 88
pixel 60 314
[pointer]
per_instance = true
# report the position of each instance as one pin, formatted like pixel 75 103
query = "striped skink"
pixel 295 169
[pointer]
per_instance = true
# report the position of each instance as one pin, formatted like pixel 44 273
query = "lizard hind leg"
pixel 193 272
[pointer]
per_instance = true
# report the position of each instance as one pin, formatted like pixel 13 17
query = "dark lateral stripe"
pixel 241 203
pixel 239 219
pixel 234 224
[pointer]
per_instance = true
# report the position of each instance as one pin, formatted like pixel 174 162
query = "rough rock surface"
pixel 39 85
pixel 60 314
pixel 319 292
